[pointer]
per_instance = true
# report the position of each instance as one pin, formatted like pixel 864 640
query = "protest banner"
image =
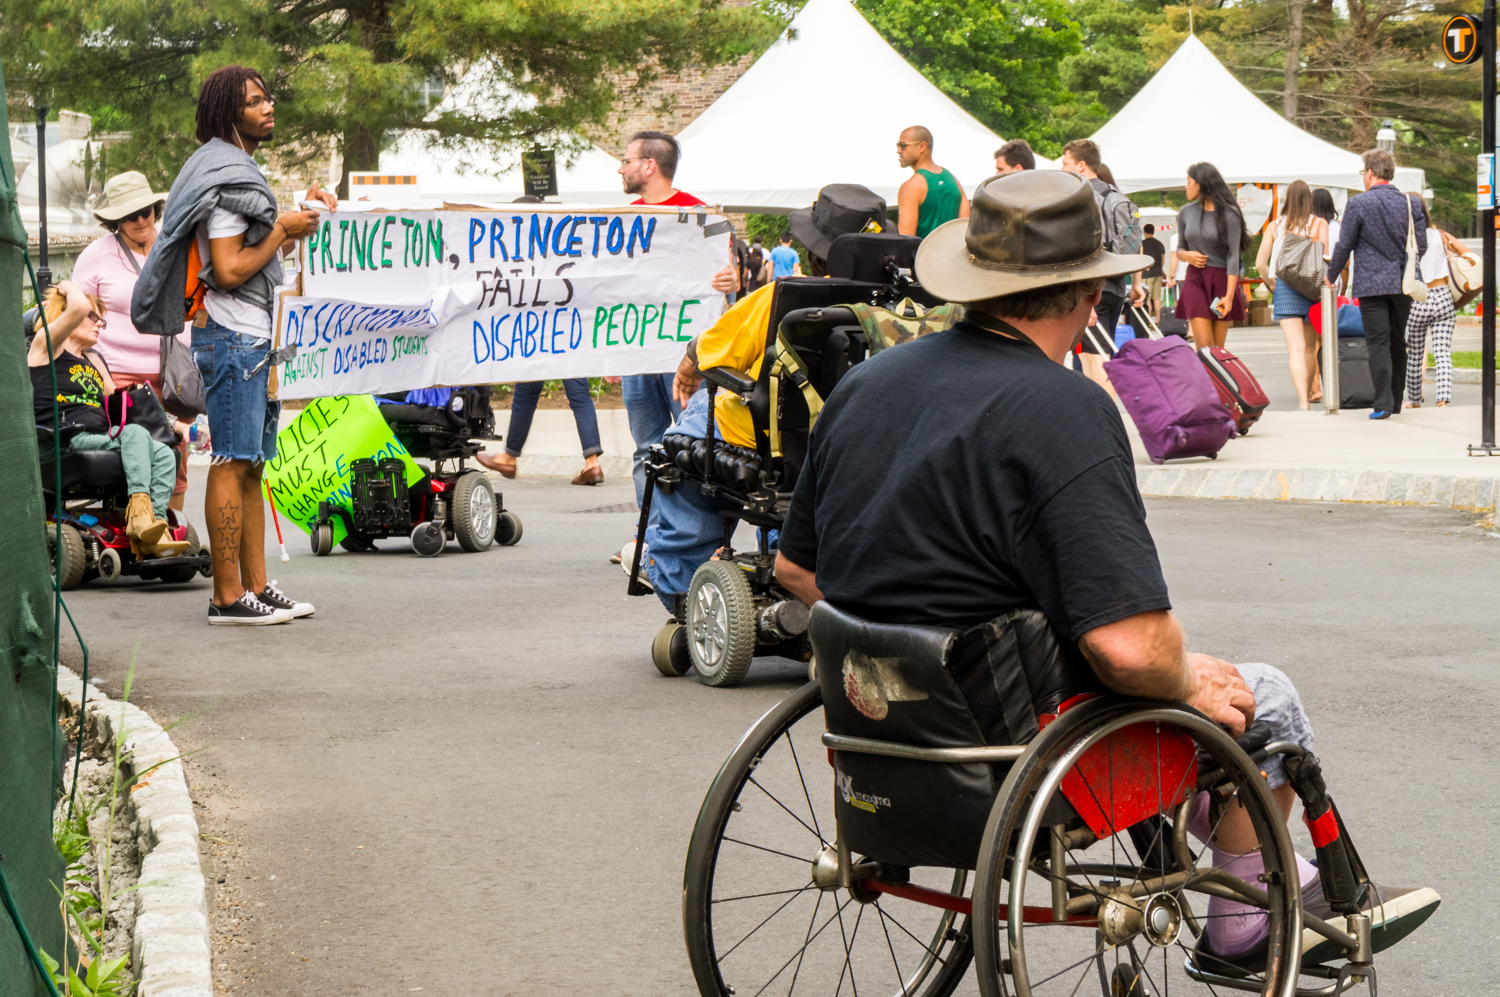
pixel 314 452
pixel 419 298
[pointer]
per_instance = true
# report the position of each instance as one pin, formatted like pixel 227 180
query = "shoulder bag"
pixel 139 406
pixel 1465 274
pixel 181 381
pixel 1299 262
pixel 1411 284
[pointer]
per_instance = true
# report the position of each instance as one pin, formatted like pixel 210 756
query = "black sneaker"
pixel 246 611
pixel 273 597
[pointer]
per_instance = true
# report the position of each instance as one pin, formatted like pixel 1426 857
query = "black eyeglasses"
pixel 255 102
pixel 97 319
pixel 147 212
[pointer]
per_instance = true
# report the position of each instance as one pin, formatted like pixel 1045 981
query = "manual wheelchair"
pixel 734 609
pixel 455 503
pixel 1061 865
pixel 92 510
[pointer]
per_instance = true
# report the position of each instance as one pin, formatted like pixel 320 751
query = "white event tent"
pixel 1194 109
pixel 476 175
pixel 825 104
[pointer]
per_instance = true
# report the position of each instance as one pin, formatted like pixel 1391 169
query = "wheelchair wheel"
pixel 357 545
pixel 1113 921
pixel 427 539
pixel 720 623
pixel 473 515
pixel 74 558
pixel 757 923
pixel 669 651
pixel 508 529
pixel 321 539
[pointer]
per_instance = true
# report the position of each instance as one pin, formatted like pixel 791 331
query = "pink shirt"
pixel 102 269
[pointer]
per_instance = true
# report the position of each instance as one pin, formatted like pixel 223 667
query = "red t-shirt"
pixel 681 199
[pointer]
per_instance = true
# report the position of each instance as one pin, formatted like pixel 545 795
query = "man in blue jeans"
pixel 221 200
pixel 647 169
pixel 1374 230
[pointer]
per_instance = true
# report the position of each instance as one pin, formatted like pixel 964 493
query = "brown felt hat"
pixel 1025 230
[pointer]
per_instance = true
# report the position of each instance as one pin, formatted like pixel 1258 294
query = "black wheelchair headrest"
pixel 872 256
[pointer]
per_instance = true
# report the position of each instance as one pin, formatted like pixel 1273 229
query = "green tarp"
pixel 30 744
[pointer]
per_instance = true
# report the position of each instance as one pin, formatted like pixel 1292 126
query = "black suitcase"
pixel 1356 387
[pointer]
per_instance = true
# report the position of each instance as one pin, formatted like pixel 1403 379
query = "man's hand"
pixel 298 224
pixel 324 197
pixel 1137 295
pixel 724 281
pixel 1220 693
pixel 686 380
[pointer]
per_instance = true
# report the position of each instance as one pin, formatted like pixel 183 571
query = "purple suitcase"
pixel 1171 398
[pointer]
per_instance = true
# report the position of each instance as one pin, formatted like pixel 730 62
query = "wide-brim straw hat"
pixel 1025 230
pixel 125 194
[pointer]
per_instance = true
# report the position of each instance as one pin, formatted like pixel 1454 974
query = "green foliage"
pixel 770 229
pixel 103 978
pixel 998 61
pixel 353 71
pixel 1108 70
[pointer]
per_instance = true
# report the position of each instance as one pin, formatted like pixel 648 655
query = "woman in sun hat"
pixel 129 211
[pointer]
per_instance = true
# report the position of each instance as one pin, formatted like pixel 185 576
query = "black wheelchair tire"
pixel 999 948
pixel 74 556
pixel 473 516
pixel 669 650
pixel 427 539
pixel 357 545
pixel 321 539
pixel 708 833
pixel 507 528
pixel 716 585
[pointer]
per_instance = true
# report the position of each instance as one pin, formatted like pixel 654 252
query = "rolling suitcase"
pixel 1171 399
pixel 1356 387
pixel 1238 389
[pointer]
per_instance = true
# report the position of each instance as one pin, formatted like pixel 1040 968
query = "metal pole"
pixel 43 272
pixel 1487 224
pixel 1329 318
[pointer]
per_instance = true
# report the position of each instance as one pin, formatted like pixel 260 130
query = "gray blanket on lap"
pixel 218 175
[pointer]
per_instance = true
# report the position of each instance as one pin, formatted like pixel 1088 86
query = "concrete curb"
pixel 1461 375
pixel 170 953
pixel 1319 485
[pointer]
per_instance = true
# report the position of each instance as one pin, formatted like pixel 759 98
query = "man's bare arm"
pixel 909 200
pixel 1143 655
pixel 797 580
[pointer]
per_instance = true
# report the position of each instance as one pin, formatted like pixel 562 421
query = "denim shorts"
pixel 1289 303
pixel 241 419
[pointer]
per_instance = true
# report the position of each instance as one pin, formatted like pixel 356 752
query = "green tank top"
pixel 941 203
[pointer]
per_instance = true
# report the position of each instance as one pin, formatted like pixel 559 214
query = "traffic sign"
pixel 1462 39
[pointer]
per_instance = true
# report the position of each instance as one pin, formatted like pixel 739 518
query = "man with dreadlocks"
pixel 222 202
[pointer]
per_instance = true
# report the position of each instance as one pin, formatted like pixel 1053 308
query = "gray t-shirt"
pixel 1215 233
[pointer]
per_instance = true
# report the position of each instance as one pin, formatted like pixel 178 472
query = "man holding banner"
pixel 647 169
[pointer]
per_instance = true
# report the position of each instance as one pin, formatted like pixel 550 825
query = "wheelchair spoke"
pixel 1099 950
pixel 762 924
pixel 812 812
pixel 812 937
pixel 795 858
pixel 849 947
pixel 925 946
pixel 890 948
pixel 753 896
pixel 1140 964
pixel 802 952
pixel 783 806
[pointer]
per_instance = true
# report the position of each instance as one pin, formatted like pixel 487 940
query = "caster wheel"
pixel 1126 982
pixel 508 529
pixel 109 566
pixel 427 539
pixel 669 651
pixel 321 539
pixel 720 623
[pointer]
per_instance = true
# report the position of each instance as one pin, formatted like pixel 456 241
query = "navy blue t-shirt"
pixel 964 474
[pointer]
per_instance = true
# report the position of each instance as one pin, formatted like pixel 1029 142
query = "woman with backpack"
pixel 1296 227
pixel 1211 236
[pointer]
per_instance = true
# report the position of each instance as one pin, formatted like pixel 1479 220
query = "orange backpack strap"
pixel 192 296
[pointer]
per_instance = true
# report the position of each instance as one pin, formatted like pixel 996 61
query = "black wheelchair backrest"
pixel 878 257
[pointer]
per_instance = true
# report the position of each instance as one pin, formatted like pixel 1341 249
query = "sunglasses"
pixel 97 319
pixel 147 212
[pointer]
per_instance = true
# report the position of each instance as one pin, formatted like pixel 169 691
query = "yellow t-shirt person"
pixel 737 340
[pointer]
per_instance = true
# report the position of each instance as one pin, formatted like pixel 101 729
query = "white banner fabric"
pixel 414 299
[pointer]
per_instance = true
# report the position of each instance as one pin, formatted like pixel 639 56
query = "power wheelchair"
pixel 92 509
pixel 734 609
pixel 452 503
pixel 1057 864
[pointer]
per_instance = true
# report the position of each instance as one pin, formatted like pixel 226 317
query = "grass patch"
pixel 1468 359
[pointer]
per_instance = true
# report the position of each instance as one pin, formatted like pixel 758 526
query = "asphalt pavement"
pixel 463 775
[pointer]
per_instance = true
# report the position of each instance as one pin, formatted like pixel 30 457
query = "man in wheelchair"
pixel 992 528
